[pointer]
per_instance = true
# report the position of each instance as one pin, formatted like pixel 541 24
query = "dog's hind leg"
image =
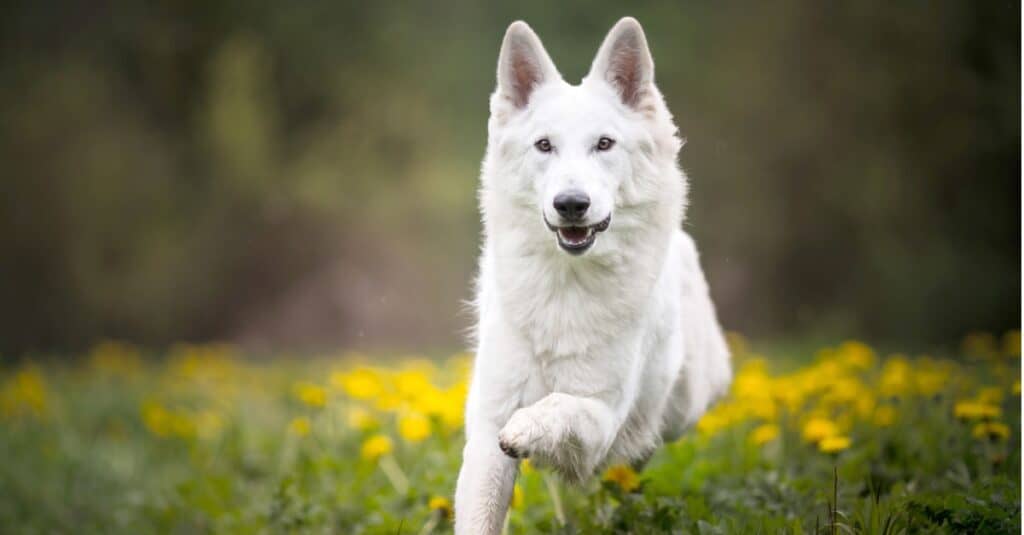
pixel 706 372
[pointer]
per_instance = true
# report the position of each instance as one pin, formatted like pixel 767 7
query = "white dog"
pixel 597 339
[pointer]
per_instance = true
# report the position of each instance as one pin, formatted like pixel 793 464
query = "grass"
pixel 202 440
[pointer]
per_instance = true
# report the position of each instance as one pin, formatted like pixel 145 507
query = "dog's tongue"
pixel 573 234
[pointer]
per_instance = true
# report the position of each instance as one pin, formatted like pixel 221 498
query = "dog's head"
pixel 583 159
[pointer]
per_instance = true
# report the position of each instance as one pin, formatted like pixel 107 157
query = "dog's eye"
pixel 543 145
pixel 605 143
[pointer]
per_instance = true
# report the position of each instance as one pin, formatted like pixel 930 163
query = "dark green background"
pixel 303 174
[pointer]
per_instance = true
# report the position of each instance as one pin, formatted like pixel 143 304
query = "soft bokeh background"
pixel 303 175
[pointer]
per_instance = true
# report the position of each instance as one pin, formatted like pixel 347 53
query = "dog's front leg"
pixel 570 432
pixel 487 477
pixel 574 427
pixel 484 489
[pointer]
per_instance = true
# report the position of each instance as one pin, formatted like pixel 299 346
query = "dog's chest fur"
pixel 569 308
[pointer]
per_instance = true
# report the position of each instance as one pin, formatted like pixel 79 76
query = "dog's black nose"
pixel 572 204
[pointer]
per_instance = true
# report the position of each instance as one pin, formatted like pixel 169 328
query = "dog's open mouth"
pixel 576 240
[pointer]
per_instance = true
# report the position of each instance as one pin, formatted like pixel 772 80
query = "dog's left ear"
pixel 624 61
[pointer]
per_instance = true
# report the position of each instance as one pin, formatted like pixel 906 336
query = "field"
pixel 203 440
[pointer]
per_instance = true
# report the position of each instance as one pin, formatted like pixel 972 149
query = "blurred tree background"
pixel 303 175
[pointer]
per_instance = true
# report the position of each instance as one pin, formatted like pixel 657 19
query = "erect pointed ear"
pixel 624 61
pixel 523 64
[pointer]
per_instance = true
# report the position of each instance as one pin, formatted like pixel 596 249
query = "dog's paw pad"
pixel 511 451
pixel 518 438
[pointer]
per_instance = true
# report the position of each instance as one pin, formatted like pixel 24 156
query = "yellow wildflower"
pixel 312 395
pixel 387 402
pixel 974 410
pixel 156 418
pixel 409 384
pixel 993 430
pixel 300 426
pixel 1016 387
pixel 182 425
pixel 764 433
pixel 452 410
pixel 818 429
pixel 857 355
pixel 414 427
pixel 896 377
pixel 442 504
pixel 834 444
pixel 517 496
pixel 360 419
pixel 361 383
pixel 24 394
pixel 526 467
pixel 208 424
pixel 623 476
pixel 990 394
pixel 1011 344
pixel 930 376
pixel 376 446
pixel 164 422
pixel 980 345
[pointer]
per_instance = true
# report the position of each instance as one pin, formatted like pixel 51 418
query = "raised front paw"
pixel 519 436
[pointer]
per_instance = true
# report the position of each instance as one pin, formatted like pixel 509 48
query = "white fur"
pixel 585 359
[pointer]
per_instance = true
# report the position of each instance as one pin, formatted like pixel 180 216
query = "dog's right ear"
pixel 523 65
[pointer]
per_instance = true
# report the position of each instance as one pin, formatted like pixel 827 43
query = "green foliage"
pixel 203 441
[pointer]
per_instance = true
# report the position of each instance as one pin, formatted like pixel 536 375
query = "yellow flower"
pixel 164 422
pixel 360 419
pixel 980 344
pixel 312 395
pixel 156 418
pixel 361 383
pixel 526 467
pixel 300 426
pixel 623 476
pixel 990 394
pixel 896 377
pixel 410 384
pixel 764 433
pixel 884 416
pixel 714 421
pixel 993 430
pixel 1016 387
pixel 517 496
pixel 930 376
pixel 974 410
pixel 387 402
pixel 452 411
pixel 24 394
pixel 857 355
pixel 1011 344
pixel 834 444
pixel 442 504
pixel 208 424
pixel 818 429
pixel 414 427
pixel 376 446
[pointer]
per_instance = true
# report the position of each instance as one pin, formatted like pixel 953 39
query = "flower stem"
pixel 549 481
pixel 395 474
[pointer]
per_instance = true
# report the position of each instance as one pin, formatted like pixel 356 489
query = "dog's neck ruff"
pixel 565 305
